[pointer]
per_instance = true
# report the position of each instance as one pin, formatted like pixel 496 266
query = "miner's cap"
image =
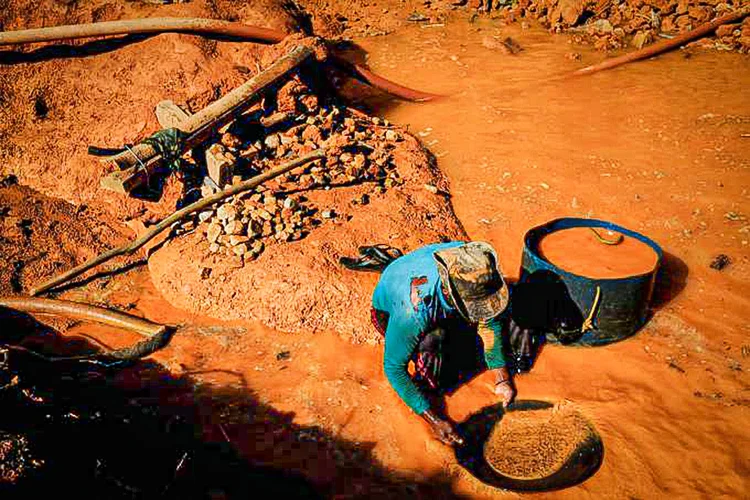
pixel 471 273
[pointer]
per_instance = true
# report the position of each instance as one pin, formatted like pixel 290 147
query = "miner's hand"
pixel 504 387
pixel 443 429
pixel 506 392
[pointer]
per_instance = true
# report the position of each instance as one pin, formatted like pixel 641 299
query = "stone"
pixel 253 229
pixel 234 227
pixel 240 249
pixel 257 247
pixel 263 214
pixel 312 133
pixel 230 141
pixel 207 190
pixel 392 136
pixel 640 39
pixel 290 203
pixel 305 182
pixel 250 153
pixel 726 30
pixel 328 214
pixel 600 27
pixel 226 212
pixel 272 141
pixel 214 247
pixel 270 202
pixel 571 10
pixel 213 232
pixel 205 215
pixel 359 161
pixel 235 239
pixel 220 164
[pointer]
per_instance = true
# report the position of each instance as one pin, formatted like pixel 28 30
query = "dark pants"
pixel 445 357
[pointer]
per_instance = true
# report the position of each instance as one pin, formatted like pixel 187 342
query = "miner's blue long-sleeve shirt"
pixel 409 291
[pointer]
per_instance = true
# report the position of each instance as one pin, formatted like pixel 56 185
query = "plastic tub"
pixel 623 305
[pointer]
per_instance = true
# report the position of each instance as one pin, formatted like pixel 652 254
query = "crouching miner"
pixel 441 308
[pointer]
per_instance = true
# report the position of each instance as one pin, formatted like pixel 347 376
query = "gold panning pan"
pixel 533 446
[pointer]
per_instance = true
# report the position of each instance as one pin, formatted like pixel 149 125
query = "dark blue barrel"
pixel 623 307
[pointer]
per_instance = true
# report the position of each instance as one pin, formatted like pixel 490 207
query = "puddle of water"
pixel 531 146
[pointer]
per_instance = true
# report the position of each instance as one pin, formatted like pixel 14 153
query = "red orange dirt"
pixel 659 146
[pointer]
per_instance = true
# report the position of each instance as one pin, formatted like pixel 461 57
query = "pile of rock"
pixel 615 24
pixel 241 225
pixel 247 223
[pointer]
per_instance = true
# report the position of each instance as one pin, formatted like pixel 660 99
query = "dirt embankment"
pixel 40 236
pixel 57 99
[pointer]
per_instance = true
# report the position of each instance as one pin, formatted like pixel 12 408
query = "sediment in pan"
pixel 535 444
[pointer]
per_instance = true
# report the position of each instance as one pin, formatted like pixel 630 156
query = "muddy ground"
pixel 659 146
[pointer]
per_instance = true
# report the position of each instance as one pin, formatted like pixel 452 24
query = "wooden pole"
pixel 201 27
pixel 137 164
pixel 154 26
pixel 178 215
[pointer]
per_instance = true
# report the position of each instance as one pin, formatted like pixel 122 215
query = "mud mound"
pixel 299 285
pixel 40 236
pixel 535 444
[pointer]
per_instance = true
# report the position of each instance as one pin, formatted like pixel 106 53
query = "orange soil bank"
pixel 578 251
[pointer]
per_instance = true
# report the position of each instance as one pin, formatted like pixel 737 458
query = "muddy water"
pixel 655 147
pixel 580 252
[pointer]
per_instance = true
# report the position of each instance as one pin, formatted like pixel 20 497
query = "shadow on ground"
pixel 671 280
pixel 139 432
